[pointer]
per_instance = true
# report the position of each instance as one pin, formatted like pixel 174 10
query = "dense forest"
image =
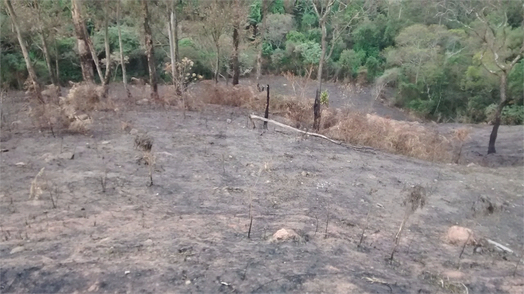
pixel 447 60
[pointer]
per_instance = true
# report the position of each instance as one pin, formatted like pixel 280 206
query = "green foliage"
pixel 324 98
pixel 350 61
pixel 277 7
pixel 267 49
pixel 511 114
pixel 373 67
pixel 310 52
pixel 434 64
pixel 309 20
pixel 255 12
pixel 295 37
pixel 516 83
pixel 130 41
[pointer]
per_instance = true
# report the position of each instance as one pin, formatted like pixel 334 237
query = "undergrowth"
pixel 407 138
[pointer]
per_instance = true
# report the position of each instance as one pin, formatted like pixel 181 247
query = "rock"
pixel 66 155
pixel 133 132
pixel 471 165
pixel 94 287
pixel 284 235
pixel 457 235
pixel 83 116
pixel 142 102
pixel 17 249
pixel 148 242
pixel 188 282
pixel 453 274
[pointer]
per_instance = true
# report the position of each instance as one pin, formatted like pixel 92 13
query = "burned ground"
pixel 213 173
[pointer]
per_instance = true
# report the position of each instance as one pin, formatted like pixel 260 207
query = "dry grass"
pixel 237 96
pixel 37 186
pixel 71 113
pixel 187 100
pixel 408 138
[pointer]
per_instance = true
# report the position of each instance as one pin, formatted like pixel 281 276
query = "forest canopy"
pixel 444 59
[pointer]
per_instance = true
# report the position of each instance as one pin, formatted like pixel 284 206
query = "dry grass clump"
pixel 70 113
pixel 237 96
pixel 407 138
pixel 298 111
pixel 187 100
pixel 84 97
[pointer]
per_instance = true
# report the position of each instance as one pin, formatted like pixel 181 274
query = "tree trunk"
pixel 217 62
pixel 235 63
pixel 316 112
pixel 322 55
pixel 86 60
pixel 45 49
pixel 150 52
pixel 172 52
pixel 32 75
pixel 106 43
pixel 498 112
pixel 262 34
pixel 170 29
pixel 174 27
pixel 122 60
pixel 57 60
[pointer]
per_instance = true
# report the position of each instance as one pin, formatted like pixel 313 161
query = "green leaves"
pixel 310 52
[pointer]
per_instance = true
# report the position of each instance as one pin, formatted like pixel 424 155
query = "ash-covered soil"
pixel 213 176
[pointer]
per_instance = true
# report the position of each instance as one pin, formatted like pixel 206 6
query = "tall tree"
pixel 322 9
pixel 216 21
pixel 106 44
pixel 121 49
pixel 32 75
pixel 82 42
pixel 265 7
pixel 45 47
pixel 172 28
pixel 502 45
pixel 239 9
pixel 150 52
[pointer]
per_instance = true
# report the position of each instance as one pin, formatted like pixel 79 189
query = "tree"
pixel 172 28
pixel 32 75
pixel 260 39
pixel 82 42
pixel 502 44
pixel 216 21
pixel 322 9
pixel 120 47
pixel 150 52
pixel 42 25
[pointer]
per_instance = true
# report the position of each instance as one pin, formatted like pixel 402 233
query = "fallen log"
pixel 252 116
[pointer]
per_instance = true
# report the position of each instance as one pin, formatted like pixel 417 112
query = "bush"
pixel 324 98
pixel 511 114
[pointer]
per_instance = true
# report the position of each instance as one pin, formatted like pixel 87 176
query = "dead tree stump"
pixel 266 115
pixel 316 111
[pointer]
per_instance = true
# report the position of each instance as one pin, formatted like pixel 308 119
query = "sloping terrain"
pixel 92 223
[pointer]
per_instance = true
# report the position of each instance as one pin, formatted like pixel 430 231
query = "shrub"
pixel 511 114
pixel 324 98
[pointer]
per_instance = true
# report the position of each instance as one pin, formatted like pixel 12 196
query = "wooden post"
pixel 316 111
pixel 266 115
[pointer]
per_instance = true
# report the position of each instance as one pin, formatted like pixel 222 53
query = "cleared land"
pixel 92 223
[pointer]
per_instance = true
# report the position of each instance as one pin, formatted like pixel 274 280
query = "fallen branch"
pixel 500 246
pixel 252 116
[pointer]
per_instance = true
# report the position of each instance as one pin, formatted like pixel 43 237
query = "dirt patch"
pixel 99 226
